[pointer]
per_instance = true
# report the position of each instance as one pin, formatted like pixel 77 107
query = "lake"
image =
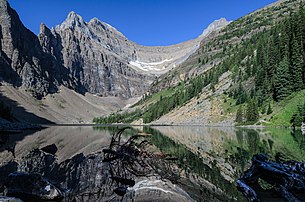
pixel 213 157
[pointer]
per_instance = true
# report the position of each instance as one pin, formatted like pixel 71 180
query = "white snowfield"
pixel 149 66
pixel 146 184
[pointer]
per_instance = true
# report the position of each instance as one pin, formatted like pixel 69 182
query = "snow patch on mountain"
pixel 149 66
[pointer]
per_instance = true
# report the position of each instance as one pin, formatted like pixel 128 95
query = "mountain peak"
pixel 96 22
pixel 72 16
pixel 72 20
pixel 43 27
pixel 217 24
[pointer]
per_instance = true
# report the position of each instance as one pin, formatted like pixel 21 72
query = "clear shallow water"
pixel 218 155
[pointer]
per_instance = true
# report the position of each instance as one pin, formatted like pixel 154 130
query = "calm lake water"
pixel 218 155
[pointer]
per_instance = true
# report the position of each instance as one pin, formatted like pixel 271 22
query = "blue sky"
pixel 147 22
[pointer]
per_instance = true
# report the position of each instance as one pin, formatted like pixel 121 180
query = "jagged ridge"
pixel 86 56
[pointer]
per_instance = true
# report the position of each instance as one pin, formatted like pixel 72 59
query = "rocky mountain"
pixel 89 58
pixel 235 77
pixel 23 61
pixel 95 66
pixel 105 62
pixel 84 56
pixel 248 72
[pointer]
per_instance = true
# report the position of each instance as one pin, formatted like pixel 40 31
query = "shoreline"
pixel 17 127
pixel 164 125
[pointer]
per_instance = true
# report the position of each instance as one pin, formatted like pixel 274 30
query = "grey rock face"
pixel 85 56
pixel 23 62
pixel 217 24
pixel 31 186
pixel 96 56
pixel 105 62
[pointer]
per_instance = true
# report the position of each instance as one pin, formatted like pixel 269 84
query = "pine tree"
pixel 252 114
pixel 296 62
pixel 271 63
pixel 263 109
pixel 297 119
pixel 281 81
pixel 284 38
pixel 239 115
pixel 241 95
pixel 269 111
pixel 235 70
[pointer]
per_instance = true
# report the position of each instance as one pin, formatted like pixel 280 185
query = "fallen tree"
pixel 285 178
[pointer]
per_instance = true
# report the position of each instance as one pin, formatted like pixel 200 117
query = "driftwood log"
pixel 286 178
pixel 131 158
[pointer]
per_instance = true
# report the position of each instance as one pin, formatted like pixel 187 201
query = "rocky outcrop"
pixel 41 64
pixel 31 187
pixel 286 178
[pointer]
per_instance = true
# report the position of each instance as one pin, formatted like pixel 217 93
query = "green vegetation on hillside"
pixel 184 92
pixel 276 65
pixel 288 110
pixel 267 66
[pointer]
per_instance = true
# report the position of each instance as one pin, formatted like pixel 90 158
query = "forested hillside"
pixel 274 60
pixel 266 66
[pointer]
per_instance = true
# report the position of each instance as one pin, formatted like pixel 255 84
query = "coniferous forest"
pixel 277 64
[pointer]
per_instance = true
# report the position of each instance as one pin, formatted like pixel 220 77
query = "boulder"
pixel 31 186
pixel 9 199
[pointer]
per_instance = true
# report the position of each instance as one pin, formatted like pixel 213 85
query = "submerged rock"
pixel 81 178
pixel 4 173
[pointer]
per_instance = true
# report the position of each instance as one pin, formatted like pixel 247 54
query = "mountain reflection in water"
pixel 216 155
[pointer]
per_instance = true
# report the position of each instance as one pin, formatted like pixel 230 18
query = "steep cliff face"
pixel 23 62
pixel 95 57
pixel 103 61
pixel 66 56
